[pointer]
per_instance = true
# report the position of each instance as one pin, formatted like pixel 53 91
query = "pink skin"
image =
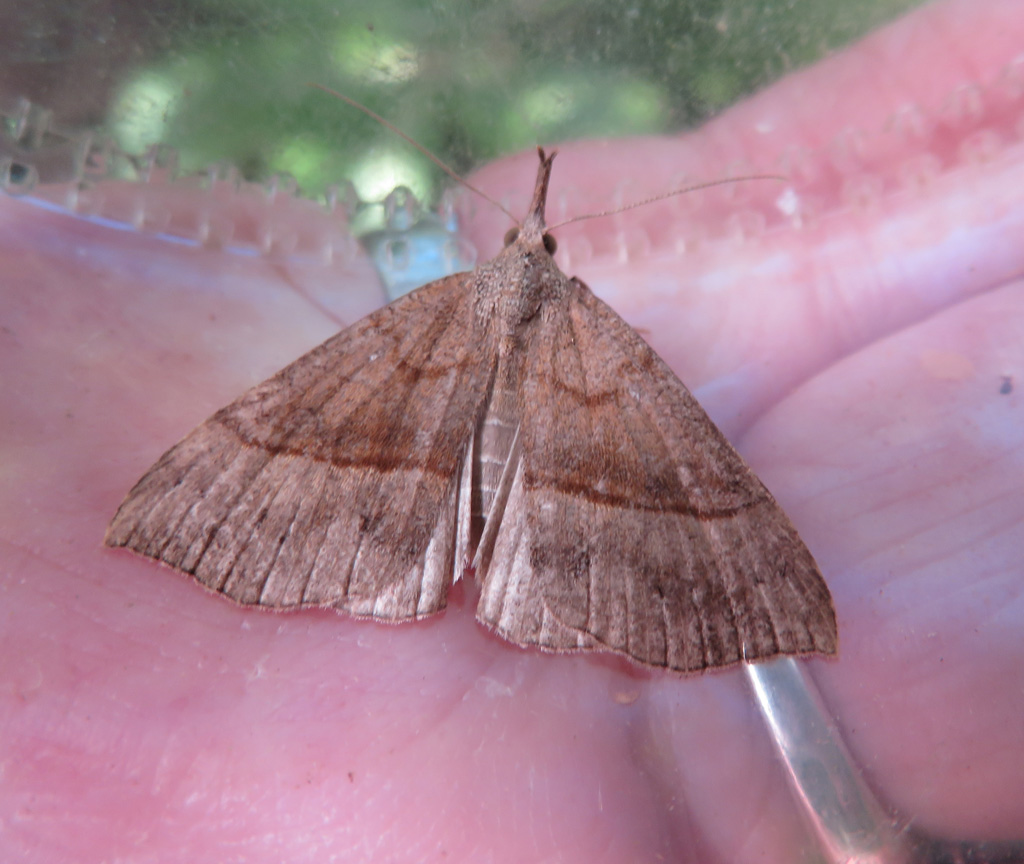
pixel 856 361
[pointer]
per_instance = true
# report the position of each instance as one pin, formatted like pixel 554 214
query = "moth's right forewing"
pixel 633 525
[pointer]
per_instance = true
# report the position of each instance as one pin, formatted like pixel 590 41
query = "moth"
pixel 503 425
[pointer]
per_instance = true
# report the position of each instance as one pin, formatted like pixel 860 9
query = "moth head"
pixel 550 244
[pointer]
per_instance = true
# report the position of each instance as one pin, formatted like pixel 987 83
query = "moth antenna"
pixel 390 126
pixel 681 191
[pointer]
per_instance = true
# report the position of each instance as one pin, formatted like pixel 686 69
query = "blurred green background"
pixel 226 80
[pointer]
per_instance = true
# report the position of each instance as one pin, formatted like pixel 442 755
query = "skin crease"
pixel 857 362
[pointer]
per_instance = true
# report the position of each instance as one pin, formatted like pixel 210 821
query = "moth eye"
pixel 549 244
pixel 511 235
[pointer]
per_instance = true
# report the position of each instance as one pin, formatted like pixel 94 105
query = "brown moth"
pixel 503 424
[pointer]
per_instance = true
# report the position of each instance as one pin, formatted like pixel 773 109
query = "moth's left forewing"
pixel 335 482
pixel 632 525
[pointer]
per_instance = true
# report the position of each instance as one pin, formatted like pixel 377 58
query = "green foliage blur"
pixel 468 79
